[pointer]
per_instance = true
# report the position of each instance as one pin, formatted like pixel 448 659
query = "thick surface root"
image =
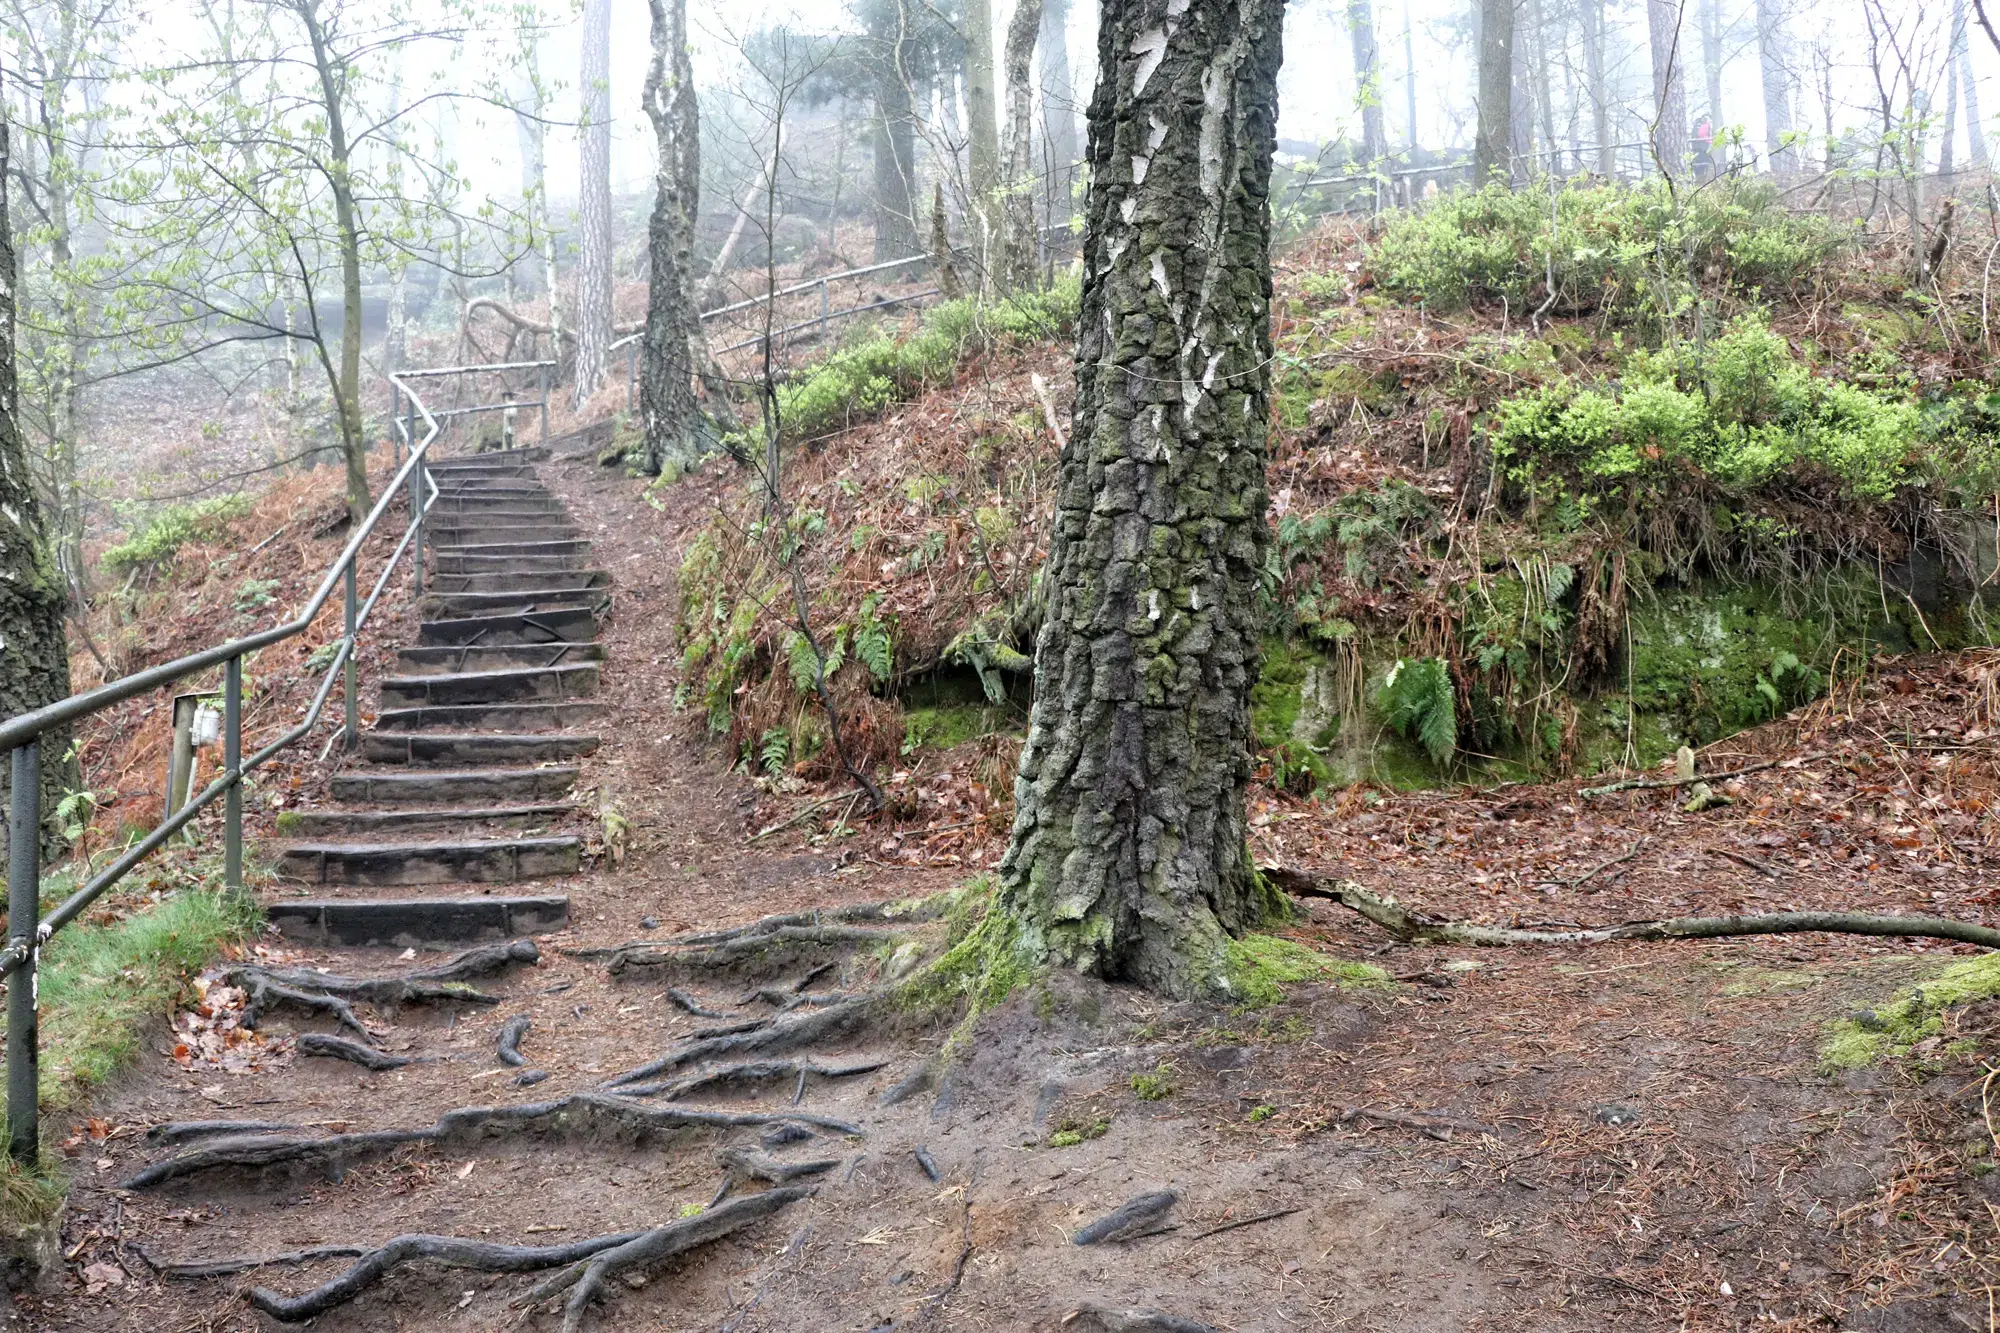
pixel 451 1251
pixel 1414 927
pixel 749 1164
pixel 754 1071
pixel 339 1048
pixel 1104 1319
pixel 780 1035
pixel 582 1111
pixel 268 987
pixel 200 1268
pixel 701 957
pixel 585 1279
pixel 511 1032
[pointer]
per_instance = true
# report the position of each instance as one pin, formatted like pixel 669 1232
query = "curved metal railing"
pixel 21 737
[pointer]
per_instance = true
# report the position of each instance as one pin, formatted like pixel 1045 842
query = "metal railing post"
pixel 822 307
pixel 395 412
pixel 352 735
pixel 232 767
pixel 24 907
pixel 417 518
pixel 543 371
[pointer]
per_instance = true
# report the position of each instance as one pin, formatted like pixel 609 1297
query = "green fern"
pixel 803 660
pixel 1418 701
pixel 775 749
pixel 872 644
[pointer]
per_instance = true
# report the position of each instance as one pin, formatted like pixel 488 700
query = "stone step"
pixel 503 564
pixel 485 785
pixel 502 582
pixel 408 923
pixel 452 659
pixel 571 547
pixel 489 534
pixel 567 624
pixel 499 861
pixel 462 748
pixel 508 717
pixel 519 472
pixel 465 605
pixel 527 453
pixel 389 823
pixel 486 687
pixel 488 490
pixel 458 516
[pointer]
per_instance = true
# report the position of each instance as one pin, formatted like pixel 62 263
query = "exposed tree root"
pixel 199 1268
pixel 1103 1319
pixel 749 1164
pixel 511 1033
pixel 899 913
pixel 749 1072
pixel 582 1110
pixel 692 1005
pixel 727 953
pixel 1436 1126
pixel 587 1276
pixel 451 1251
pixel 784 1001
pixel 783 1034
pixel 1128 1219
pixel 268 987
pixel 178 1131
pixel 339 1048
pixel 1416 928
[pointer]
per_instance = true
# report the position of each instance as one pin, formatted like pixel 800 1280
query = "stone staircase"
pixel 460 780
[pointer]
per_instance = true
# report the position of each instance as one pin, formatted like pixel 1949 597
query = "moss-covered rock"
pixel 1893 1029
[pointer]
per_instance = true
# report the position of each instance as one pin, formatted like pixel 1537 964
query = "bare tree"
pixel 593 258
pixel 1774 60
pixel 1669 135
pixel 531 109
pixel 982 129
pixel 891 52
pixel 1598 86
pixel 1961 55
pixel 1367 78
pixel 1059 109
pixel 1491 157
pixel 670 421
pixel 1018 266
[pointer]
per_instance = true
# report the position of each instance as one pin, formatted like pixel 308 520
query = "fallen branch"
pixel 339 1048
pixel 451 1251
pixel 749 1072
pixel 1600 868
pixel 1243 1222
pixel 1746 862
pixel 587 1276
pixel 1438 1127
pixel 1660 784
pixel 511 1033
pixel 1412 927
pixel 573 1113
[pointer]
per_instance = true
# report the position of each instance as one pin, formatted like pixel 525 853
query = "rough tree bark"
pixel 593 259
pixel 1367 78
pixel 1665 35
pixel 1128 856
pixel 894 134
pixel 670 420
pixel 34 656
pixel 1018 216
pixel 1059 138
pixel 1774 60
pixel 1491 155
pixel 983 134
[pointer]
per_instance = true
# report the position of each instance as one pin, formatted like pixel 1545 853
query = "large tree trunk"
pixel 1128 856
pixel 1058 111
pixel 34 656
pixel 670 420
pixel 1668 39
pixel 1774 58
pixel 1600 87
pixel 1521 106
pixel 1545 92
pixel 1367 79
pixel 1948 134
pixel 593 257
pixel 1018 270
pixel 1711 61
pixel 531 134
pixel 983 134
pixel 1492 158
pixel 1975 133
pixel 1410 81
pixel 894 132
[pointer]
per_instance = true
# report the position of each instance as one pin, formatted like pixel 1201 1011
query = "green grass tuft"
pixel 1893 1029
pixel 1258 967
pixel 170 529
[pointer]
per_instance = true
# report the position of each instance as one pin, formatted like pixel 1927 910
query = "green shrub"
pixel 170 529
pixel 1610 246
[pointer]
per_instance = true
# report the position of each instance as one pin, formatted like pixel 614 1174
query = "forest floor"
pixel 1524 1139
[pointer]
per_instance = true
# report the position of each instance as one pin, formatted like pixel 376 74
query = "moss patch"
pixel 1258 967
pixel 1893 1029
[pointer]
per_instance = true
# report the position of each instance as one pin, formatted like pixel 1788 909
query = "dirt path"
pixel 1662 1152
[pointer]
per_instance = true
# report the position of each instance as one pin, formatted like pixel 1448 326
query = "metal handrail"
pixel 21 737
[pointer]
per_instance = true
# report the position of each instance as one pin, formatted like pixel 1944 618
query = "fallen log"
pixel 1413 927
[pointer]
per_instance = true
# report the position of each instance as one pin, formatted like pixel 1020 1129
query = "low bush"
pixel 1605 246
pixel 170 529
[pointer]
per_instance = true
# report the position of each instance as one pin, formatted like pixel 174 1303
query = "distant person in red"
pixel 1704 149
